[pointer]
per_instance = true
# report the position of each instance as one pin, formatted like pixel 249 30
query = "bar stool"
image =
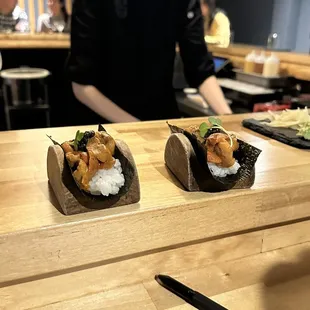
pixel 25 88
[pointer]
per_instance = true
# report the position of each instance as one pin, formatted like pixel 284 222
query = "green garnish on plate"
pixel 304 131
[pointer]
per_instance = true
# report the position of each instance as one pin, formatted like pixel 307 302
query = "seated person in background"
pixel 217 25
pixel 12 17
pixel 57 20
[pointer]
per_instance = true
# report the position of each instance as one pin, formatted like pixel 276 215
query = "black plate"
pixel 284 135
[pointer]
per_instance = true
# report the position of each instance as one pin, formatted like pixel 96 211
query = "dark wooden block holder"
pixel 74 201
pixel 181 160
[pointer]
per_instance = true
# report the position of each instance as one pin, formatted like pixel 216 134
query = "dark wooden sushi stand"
pixel 246 249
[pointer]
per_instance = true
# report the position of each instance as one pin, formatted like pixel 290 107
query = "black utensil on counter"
pixel 192 297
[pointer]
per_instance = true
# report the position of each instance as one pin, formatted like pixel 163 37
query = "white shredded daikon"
pixel 289 118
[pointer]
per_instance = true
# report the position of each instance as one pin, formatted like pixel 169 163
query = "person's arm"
pixel 198 64
pixel 221 27
pixel 82 71
pixel 95 100
pixel 212 92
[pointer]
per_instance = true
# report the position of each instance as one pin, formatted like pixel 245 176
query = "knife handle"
pixel 204 303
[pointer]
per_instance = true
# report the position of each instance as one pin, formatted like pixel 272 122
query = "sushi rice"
pixel 223 172
pixel 107 182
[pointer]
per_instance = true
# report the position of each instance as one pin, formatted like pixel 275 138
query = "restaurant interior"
pixel 205 210
pixel 270 26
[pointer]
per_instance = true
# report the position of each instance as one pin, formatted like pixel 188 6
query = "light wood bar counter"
pixel 248 249
pixel 34 41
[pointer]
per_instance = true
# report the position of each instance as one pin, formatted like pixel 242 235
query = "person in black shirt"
pixel 122 57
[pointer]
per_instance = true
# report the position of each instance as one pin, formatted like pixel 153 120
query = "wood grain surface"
pixel 32 16
pixel 241 247
pixel 41 7
pixel 241 50
pixel 179 157
pixel 236 271
pixel 34 40
pixel 69 6
pixel 292 64
pixel 21 3
pixel 167 215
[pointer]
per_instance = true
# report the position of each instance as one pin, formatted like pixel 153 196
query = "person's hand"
pixel 102 105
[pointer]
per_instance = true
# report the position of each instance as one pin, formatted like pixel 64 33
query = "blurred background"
pixel 35 43
pixel 253 22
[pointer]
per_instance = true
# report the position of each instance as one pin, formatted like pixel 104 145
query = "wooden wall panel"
pixel 41 7
pixel 69 6
pixel 32 15
pixel 21 3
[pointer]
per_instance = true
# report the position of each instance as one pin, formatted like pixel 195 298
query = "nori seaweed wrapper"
pixel 128 171
pixel 101 128
pixel 246 156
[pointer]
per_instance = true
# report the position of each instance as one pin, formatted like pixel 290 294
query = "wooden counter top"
pixel 37 40
pixel 243 50
pixel 25 169
pixel 293 64
pixel 114 254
